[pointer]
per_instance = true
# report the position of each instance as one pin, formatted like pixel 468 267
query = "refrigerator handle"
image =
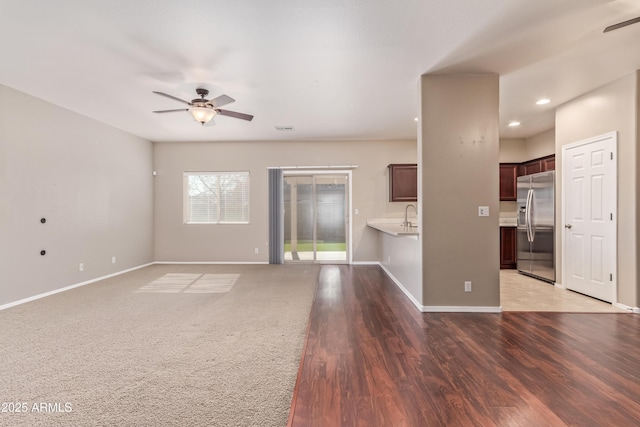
pixel 532 224
pixel 528 215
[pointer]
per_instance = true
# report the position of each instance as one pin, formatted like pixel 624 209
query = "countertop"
pixel 508 222
pixel 393 226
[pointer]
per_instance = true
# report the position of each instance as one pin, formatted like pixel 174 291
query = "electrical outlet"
pixel 255 251
pixel 113 260
pixel 356 211
pixel 81 266
pixel 467 286
pixel 483 210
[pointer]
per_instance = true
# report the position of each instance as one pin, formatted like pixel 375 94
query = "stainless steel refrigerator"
pixel 536 225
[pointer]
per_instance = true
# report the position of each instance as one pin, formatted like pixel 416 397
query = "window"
pixel 216 197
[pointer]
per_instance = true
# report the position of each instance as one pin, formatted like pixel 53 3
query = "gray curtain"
pixel 276 217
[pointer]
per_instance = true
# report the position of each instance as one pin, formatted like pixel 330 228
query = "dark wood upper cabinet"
pixel 508 181
pixel 403 182
pixel 533 166
pixel 542 164
pixel 548 163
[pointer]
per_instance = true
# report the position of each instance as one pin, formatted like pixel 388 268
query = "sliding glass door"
pixel 316 208
pixel 299 218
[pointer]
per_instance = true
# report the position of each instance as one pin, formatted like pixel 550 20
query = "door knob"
pixel 568 226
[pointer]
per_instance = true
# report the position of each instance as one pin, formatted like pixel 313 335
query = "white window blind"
pixel 216 197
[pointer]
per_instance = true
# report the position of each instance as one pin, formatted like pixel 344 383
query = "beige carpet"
pixel 165 345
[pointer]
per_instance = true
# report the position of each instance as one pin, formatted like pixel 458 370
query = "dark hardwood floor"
pixel 372 359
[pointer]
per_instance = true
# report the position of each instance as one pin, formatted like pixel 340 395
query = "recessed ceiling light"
pixel 543 101
pixel 514 124
pixel 415 119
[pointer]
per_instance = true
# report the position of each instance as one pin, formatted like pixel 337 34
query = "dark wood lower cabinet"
pixel 508 247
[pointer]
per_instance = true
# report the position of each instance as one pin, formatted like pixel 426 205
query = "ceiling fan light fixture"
pixel 202 109
pixel 202 114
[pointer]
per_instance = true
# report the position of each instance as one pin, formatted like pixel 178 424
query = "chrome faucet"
pixel 406 224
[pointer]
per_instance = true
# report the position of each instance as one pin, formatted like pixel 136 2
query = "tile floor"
pixel 523 293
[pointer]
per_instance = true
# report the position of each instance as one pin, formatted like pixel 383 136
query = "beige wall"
pixel 91 182
pixel 175 241
pixel 540 145
pixel 518 150
pixel 613 107
pixel 513 150
pixel 459 152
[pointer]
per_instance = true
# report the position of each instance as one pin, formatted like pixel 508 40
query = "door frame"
pixel 612 248
pixel 348 221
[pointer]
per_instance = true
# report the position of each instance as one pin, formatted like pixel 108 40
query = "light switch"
pixel 483 210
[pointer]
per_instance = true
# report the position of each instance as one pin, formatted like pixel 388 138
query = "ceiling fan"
pixel 203 109
pixel 621 24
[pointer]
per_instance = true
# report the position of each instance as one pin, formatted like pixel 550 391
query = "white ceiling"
pixel 333 69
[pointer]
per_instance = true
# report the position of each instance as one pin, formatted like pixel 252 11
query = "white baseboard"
pixel 402 288
pixel 625 307
pixel 209 262
pixel 250 263
pixel 460 309
pixel 636 310
pixel 439 309
pixel 68 288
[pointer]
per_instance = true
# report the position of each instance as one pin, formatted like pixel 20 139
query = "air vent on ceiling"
pixel 285 128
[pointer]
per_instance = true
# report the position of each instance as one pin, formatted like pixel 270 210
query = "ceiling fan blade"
pixel 172 97
pixel 621 24
pixel 171 111
pixel 234 114
pixel 221 100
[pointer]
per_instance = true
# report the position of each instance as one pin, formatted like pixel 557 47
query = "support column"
pixel 458 152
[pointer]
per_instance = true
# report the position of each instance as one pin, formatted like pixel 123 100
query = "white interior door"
pixel 589 214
